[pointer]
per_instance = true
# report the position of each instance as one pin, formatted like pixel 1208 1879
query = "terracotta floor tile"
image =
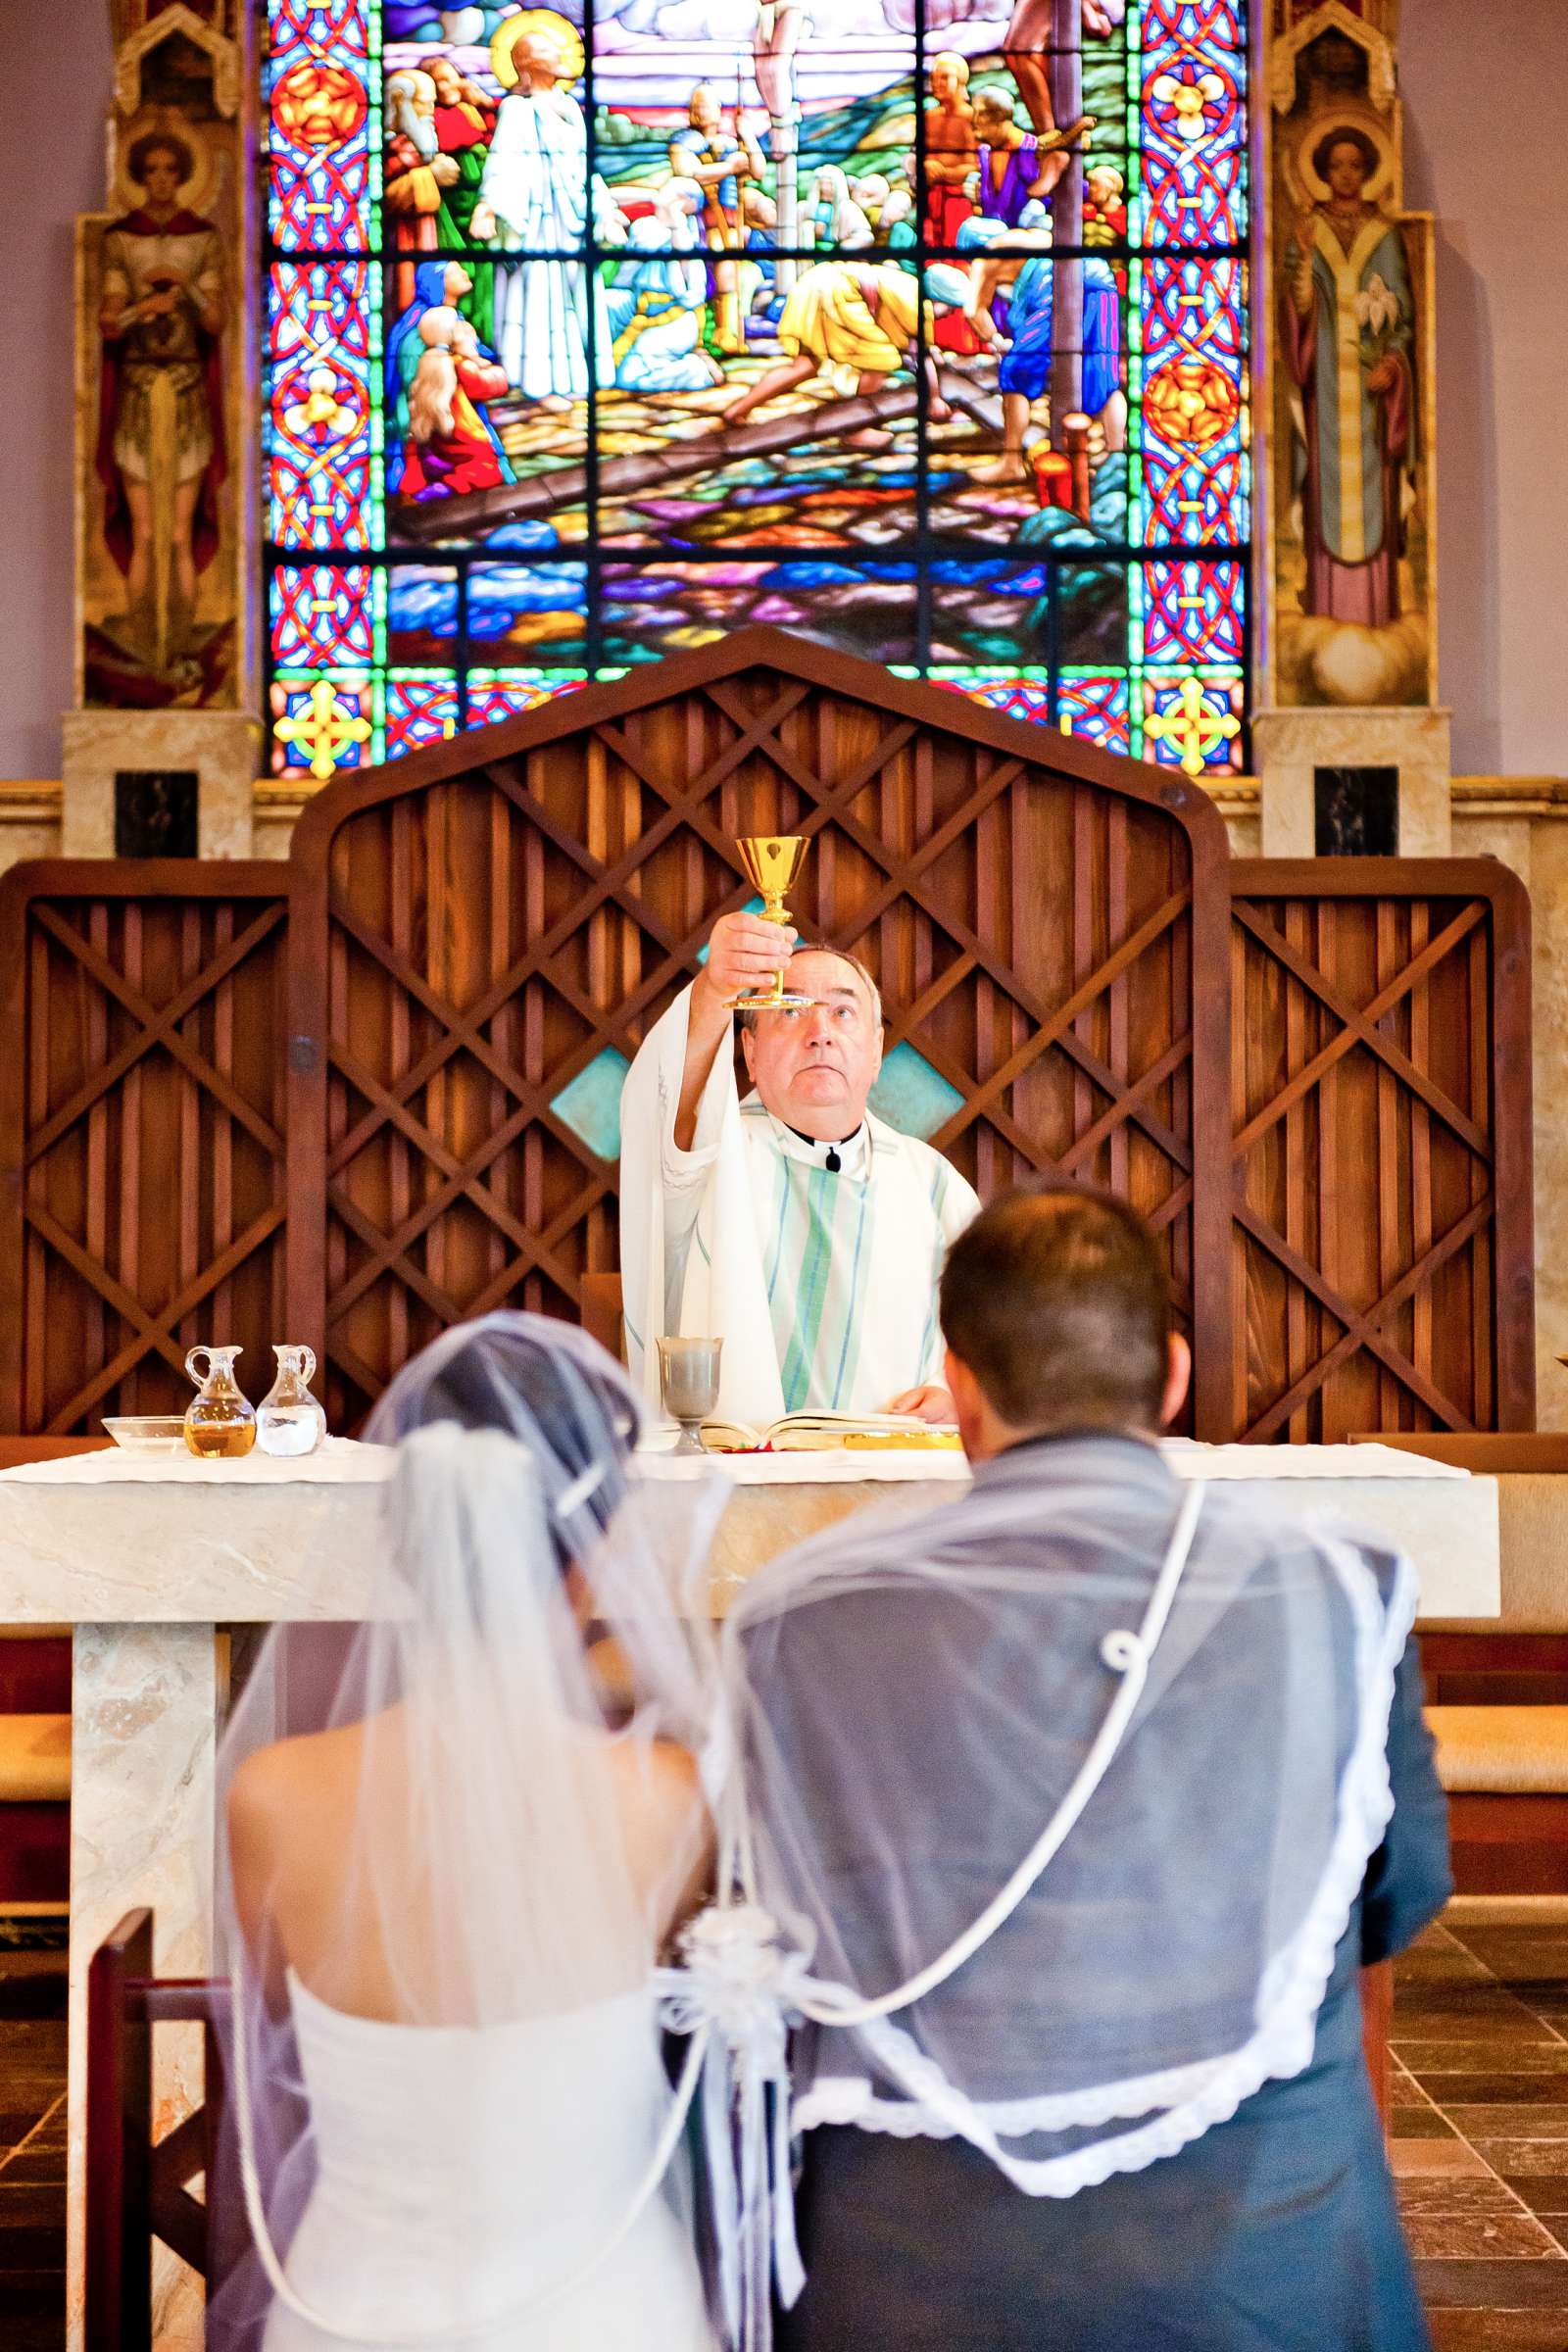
pixel 1515 2157
pixel 1417 2120
pixel 1451 2013
pixel 1515 1951
pixel 1413 2158
pixel 1446 2236
pixel 38 2168
pixel 1448 1962
pixel 1499 2332
pixel 1458 2194
pixel 1496 2119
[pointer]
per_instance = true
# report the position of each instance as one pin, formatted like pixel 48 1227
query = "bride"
pixel 455 1847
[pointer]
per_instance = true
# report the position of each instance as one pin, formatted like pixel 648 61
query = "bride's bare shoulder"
pixel 658 1775
pixel 277 1780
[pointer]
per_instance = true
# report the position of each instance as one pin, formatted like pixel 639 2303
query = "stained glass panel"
pixel 916 326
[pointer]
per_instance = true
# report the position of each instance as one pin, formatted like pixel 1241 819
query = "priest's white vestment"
pixel 822 1284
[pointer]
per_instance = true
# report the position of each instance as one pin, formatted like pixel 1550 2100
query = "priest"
pixel 793 1224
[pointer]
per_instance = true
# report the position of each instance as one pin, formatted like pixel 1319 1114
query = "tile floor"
pixel 1480 2125
pixel 1479 2144
pixel 33 2142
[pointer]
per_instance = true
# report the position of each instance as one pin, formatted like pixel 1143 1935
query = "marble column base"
pixel 224 747
pixel 144 1715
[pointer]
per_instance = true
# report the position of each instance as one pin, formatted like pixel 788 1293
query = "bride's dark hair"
pixel 583 1403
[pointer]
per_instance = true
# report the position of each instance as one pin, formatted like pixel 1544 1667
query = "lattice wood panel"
pixel 1383 1223
pixel 482 924
pixel 1314 1077
pixel 142 1132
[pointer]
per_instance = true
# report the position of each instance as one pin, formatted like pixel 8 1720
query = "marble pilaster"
pixel 223 746
pixel 144 1715
pixel 29 823
pixel 1290 746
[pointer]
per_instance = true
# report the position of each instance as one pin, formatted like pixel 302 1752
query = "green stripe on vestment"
pixel 817 1264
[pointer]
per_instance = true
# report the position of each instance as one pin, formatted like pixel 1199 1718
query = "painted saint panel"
pixel 1352 352
pixel 917 327
pixel 159 463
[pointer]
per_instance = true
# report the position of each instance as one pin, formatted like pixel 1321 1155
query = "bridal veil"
pixel 536 1629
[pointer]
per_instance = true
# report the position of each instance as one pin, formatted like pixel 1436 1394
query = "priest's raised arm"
pixel 793 1224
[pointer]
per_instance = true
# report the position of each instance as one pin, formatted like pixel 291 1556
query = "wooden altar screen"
pixel 478 928
pixel 478 937
pixel 1380 1058
pixel 142 1101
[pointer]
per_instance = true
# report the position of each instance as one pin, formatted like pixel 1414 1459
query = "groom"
pixel 1272 2223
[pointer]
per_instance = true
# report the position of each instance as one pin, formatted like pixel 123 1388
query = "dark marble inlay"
pixel 1417 2123
pixel 1539 2284
pixel 1418 2059
pixel 30 2205
pixel 31 2245
pixel 1546 2194
pixel 1498 2332
pixel 1453 2091
pixel 1495 2119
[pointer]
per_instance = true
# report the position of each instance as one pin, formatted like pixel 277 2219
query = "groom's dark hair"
pixel 1059 1302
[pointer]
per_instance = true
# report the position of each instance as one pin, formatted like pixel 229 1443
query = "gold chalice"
pixel 772 861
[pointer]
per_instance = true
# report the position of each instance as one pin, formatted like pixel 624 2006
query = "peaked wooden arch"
pixel 491 923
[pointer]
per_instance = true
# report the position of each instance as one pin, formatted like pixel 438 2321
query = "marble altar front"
pixel 149 1560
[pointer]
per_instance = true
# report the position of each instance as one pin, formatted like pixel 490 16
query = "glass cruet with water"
pixel 289 1420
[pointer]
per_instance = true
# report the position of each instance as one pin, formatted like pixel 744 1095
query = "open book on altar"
pixel 815 1433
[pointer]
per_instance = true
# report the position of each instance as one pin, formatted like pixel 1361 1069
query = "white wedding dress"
pixel 463 2173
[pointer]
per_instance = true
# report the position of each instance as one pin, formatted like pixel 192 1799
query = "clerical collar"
pixel 848 1146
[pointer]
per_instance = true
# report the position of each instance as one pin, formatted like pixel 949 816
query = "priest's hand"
pixel 929 1403
pixel 743 955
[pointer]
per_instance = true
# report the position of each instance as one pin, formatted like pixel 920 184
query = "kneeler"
pixel 137 2187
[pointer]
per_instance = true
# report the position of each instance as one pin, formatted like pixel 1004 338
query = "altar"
pixel 151 1559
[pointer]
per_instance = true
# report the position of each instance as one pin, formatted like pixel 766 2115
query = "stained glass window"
pixel 916 326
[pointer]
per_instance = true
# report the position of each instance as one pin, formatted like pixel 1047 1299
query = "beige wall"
pixel 1486 113
pixel 54 90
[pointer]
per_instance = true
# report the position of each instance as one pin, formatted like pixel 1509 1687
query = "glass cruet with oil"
pixel 220 1421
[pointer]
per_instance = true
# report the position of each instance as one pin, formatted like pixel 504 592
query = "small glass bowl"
pixel 147 1433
